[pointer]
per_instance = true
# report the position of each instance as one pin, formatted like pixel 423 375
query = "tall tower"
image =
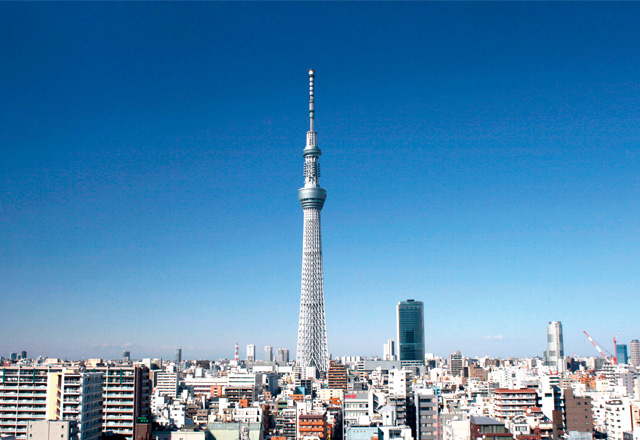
pixel 312 332
pixel 555 346
pixel 634 352
pixel 410 314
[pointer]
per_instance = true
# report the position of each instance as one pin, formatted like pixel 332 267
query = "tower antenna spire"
pixel 312 332
pixel 311 106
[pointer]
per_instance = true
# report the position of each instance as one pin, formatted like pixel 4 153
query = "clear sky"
pixel 480 157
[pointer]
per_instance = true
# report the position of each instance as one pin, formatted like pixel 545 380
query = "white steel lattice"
pixel 312 333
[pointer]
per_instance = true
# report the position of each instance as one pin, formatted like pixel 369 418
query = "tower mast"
pixel 312 350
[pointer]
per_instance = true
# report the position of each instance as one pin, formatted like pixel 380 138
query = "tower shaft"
pixel 312 350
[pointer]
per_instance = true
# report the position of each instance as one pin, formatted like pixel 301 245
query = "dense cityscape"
pixel 263 394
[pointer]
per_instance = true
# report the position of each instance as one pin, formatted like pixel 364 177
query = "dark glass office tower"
pixel 411 331
pixel 621 354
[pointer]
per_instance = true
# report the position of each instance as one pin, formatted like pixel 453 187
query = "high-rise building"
pixel 456 363
pixel 337 376
pixel 126 356
pixel 126 395
pixel 282 356
pixel 23 398
pixel 389 351
pixel 178 355
pixel 268 353
pixel 312 349
pixel 410 320
pixel 634 352
pixel 29 394
pixel 251 352
pixel 23 354
pixel 76 396
pixel 621 354
pixel 555 347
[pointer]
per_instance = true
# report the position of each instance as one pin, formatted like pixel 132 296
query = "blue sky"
pixel 480 157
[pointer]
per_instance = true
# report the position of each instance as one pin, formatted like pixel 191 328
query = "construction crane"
pixel 595 345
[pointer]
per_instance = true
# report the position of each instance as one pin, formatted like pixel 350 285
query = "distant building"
pixel 481 428
pixel 456 363
pixel 313 426
pixel 126 356
pixel 282 356
pixel 251 353
pixel 410 329
pixel 621 354
pixel 389 351
pixel 634 352
pixel 554 356
pixel 268 353
pixel 166 384
pixel 337 376
pixel 178 355
pixel 511 403
pixel 23 355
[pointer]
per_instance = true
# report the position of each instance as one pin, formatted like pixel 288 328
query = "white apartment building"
pixel 23 398
pixel 400 382
pixel 617 418
pixel 76 397
pixel 30 394
pixel 357 408
pixel 167 384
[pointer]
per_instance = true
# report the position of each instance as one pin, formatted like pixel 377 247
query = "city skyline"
pixel 482 158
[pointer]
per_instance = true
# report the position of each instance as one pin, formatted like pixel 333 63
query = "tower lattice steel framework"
pixel 312 348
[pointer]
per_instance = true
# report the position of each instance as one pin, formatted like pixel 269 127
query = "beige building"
pixel 51 430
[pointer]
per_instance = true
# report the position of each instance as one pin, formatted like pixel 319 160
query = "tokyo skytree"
pixel 312 332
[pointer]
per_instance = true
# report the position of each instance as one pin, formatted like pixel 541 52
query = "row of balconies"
pixel 516 402
pixel 26 415
pixel 21 407
pixel 117 417
pixel 22 401
pixel 22 392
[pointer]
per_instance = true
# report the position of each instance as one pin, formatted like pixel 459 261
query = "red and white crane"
pixel 595 344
